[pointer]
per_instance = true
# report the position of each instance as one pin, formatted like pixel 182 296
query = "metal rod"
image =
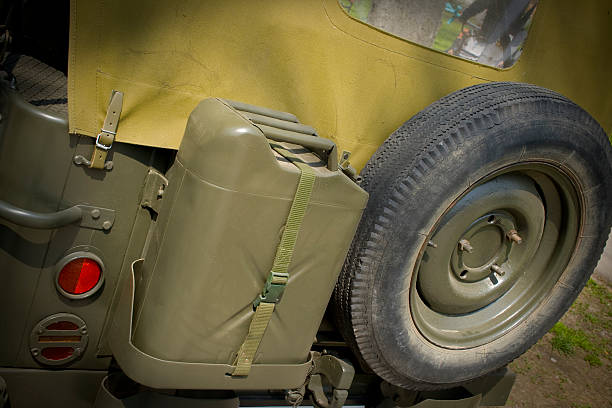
pixel 281 124
pixel 301 139
pixel 33 219
pixel 245 107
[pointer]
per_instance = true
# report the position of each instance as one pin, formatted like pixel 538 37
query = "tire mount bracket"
pixel 338 373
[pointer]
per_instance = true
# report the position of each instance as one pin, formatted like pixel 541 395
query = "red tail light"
pixel 57 353
pixel 63 325
pixel 59 339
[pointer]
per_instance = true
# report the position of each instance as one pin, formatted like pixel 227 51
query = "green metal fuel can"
pixel 224 212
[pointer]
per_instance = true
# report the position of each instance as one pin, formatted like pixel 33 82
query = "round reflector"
pixel 79 275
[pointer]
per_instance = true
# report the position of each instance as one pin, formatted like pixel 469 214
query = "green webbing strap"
pixel 279 275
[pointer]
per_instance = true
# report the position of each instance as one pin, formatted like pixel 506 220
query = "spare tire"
pixel 488 212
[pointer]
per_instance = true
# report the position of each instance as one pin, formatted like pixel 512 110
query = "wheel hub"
pixel 476 261
pixel 494 255
pixel 489 246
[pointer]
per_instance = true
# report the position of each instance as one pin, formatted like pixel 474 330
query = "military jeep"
pixel 375 202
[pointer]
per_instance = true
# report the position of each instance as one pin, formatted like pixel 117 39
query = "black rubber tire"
pixel 415 175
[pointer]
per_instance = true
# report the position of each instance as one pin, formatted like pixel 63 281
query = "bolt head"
pixel 106 225
pixel 95 213
pixel 34 351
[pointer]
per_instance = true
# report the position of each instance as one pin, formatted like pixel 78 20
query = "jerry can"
pixel 229 194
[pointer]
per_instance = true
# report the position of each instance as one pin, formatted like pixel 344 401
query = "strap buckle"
pixel 101 145
pixel 106 137
pixel 273 289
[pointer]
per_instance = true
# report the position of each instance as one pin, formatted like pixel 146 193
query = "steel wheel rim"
pixel 456 310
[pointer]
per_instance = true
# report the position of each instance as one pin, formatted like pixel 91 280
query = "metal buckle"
pixel 103 146
pixel 272 292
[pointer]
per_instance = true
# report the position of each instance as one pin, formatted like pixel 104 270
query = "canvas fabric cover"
pixel 353 83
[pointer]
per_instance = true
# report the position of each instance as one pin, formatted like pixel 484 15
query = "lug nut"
pixel 514 236
pixel 498 270
pixel 464 245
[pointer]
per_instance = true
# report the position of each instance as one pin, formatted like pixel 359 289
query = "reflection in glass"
pixel 491 32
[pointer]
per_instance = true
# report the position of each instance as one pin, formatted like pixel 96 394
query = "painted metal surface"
pixel 353 83
pixel 29 257
pixel 466 299
pixel 49 385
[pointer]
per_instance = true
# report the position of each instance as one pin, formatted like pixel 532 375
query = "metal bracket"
pixel 338 373
pixel 346 167
pixel 97 217
pixel 80 160
pixel 153 191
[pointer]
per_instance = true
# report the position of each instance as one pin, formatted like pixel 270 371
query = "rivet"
pixel 106 225
pixel 34 351
pixel 84 330
pixel 95 214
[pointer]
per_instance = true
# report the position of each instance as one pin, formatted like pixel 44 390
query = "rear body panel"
pixel 37 174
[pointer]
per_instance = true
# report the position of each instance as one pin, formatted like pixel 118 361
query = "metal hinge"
pixel 153 190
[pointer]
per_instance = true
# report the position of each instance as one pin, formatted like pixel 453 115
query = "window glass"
pixel 491 32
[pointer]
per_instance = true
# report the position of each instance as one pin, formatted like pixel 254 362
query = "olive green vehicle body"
pixel 205 245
